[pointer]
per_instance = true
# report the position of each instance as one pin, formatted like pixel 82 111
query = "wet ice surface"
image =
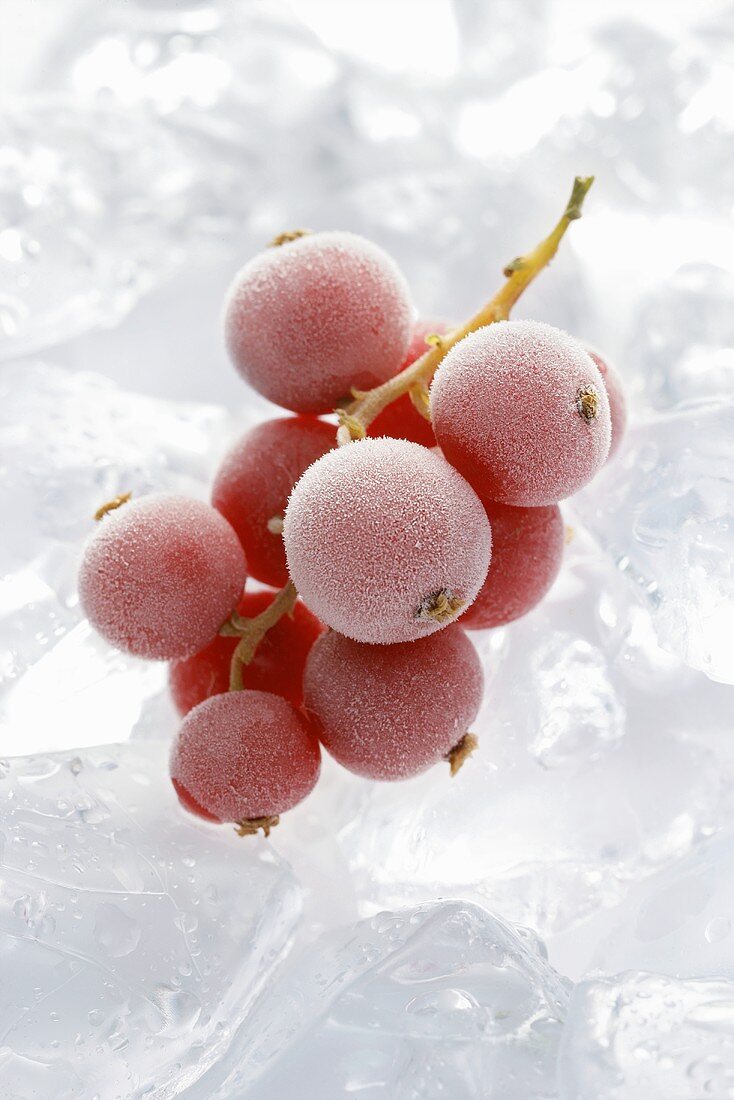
pixel 553 816
pixel 69 181
pixel 645 1035
pixel 681 348
pixel 680 921
pixel 130 951
pixel 663 514
pixel 169 142
pixel 439 1000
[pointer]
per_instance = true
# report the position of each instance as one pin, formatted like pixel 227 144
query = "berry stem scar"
pixel 249 826
pixel 252 631
pixel 356 416
pixel 461 752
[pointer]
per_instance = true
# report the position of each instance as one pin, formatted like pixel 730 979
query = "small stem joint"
pixel 288 236
pixel 350 427
pixel 111 505
pixel 581 185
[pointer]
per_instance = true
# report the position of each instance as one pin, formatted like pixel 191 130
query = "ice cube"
pixel 662 512
pixel 209 68
pixel 678 922
pixel 442 1000
pixel 554 816
pixel 71 441
pixel 133 939
pixel 95 204
pixel 681 348
pixel 645 1035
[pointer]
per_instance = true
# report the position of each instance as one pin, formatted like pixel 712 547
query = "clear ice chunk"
pixel 663 513
pixel 133 939
pixel 681 348
pixel 678 922
pixel 645 1035
pixel 442 1000
pixel 95 204
pixel 71 441
pixel 552 818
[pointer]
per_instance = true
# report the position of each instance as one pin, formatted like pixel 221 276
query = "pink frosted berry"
pixel 527 548
pixel 306 322
pixel 521 410
pixel 244 756
pixel 160 575
pixel 390 712
pixel 254 480
pixel 385 541
pixel 617 400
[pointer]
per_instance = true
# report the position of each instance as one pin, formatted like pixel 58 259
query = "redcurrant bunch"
pixel 433 498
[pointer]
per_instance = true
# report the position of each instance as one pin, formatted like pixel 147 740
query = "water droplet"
pixel 440 1002
pixel 718 928
pixel 93 815
pixel 115 932
pixel 186 922
pixel 118 1041
pixel 180 1009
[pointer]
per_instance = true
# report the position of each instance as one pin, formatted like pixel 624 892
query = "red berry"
pixel 306 322
pixel 160 575
pixel 401 419
pixel 385 541
pixel 617 400
pixel 390 712
pixel 244 755
pixel 527 548
pixel 522 412
pixel 277 666
pixel 254 480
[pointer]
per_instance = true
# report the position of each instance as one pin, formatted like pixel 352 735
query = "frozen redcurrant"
pixel 527 548
pixel 617 399
pixel 160 575
pixel 390 712
pixel 521 410
pixel 252 485
pixel 306 322
pixel 385 541
pixel 244 757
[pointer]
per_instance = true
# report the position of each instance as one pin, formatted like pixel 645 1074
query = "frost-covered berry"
pixel 521 410
pixel 385 541
pixel 277 665
pixel 390 712
pixel 401 419
pixel 617 400
pixel 306 322
pixel 160 575
pixel 527 549
pixel 244 756
pixel 254 480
